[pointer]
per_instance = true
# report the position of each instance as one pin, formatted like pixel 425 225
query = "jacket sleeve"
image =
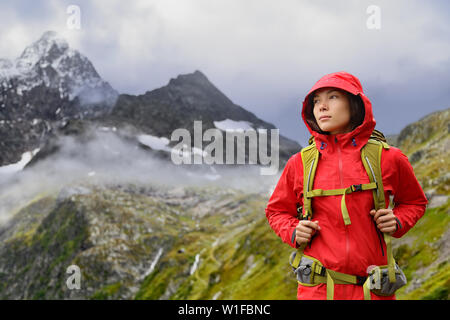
pixel 281 210
pixel 409 199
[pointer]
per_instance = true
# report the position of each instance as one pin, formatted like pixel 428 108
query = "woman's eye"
pixel 333 96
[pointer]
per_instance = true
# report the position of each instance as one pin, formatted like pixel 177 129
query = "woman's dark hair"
pixel 357 111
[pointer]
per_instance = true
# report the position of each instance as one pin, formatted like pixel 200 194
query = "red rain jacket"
pixel 348 249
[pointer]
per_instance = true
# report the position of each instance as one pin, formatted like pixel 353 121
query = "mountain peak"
pixel 52 36
pixel 50 62
pixel 49 35
pixel 195 78
pixel 49 47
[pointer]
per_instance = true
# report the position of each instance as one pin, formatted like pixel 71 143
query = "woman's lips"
pixel 324 118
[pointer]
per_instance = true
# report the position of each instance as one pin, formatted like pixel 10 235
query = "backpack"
pixel 371 159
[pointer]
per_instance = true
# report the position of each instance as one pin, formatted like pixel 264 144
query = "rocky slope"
pixel 427 143
pixel 139 242
pixel 424 252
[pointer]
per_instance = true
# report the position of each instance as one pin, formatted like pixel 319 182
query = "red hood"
pixel 345 81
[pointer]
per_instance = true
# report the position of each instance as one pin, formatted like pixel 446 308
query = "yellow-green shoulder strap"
pixel 310 157
pixel 371 159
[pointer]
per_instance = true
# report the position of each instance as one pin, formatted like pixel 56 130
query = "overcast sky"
pixel 263 54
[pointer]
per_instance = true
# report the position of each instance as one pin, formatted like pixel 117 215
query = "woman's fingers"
pixel 309 224
pixel 305 230
pixel 303 238
pixel 305 235
pixel 388 230
pixel 380 213
pixel 388 227
pixel 385 220
pixel 387 224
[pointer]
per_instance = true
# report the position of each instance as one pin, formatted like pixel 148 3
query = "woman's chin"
pixel 326 128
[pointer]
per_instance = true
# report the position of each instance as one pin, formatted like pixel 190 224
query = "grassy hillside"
pixel 142 243
pixel 424 251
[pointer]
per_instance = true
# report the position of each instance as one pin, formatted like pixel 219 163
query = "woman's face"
pixel 331 109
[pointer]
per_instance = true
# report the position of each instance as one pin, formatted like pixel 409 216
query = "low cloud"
pixel 109 159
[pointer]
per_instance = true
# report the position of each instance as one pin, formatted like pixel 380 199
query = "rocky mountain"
pixel 184 100
pixel 52 88
pixel 149 120
pixel 51 63
pixel 46 86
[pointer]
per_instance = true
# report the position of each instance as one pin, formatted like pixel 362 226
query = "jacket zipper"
pixel 340 163
pixel 347 238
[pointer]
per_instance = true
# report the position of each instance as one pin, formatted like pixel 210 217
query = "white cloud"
pixel 236 39
pixel 260 53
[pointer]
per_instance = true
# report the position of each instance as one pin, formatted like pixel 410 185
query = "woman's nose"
pixel 323 106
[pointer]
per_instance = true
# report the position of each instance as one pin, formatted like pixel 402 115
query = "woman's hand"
pixel 385 220
pixel 305 229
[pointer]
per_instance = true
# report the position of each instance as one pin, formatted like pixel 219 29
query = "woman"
pixel 339 117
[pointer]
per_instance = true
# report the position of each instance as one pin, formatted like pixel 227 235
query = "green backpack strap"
pixel 310 158
pixel 371 159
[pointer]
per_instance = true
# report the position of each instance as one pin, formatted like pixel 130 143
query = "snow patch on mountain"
pixel 231 125
pixel 18 166
pixel 156 143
